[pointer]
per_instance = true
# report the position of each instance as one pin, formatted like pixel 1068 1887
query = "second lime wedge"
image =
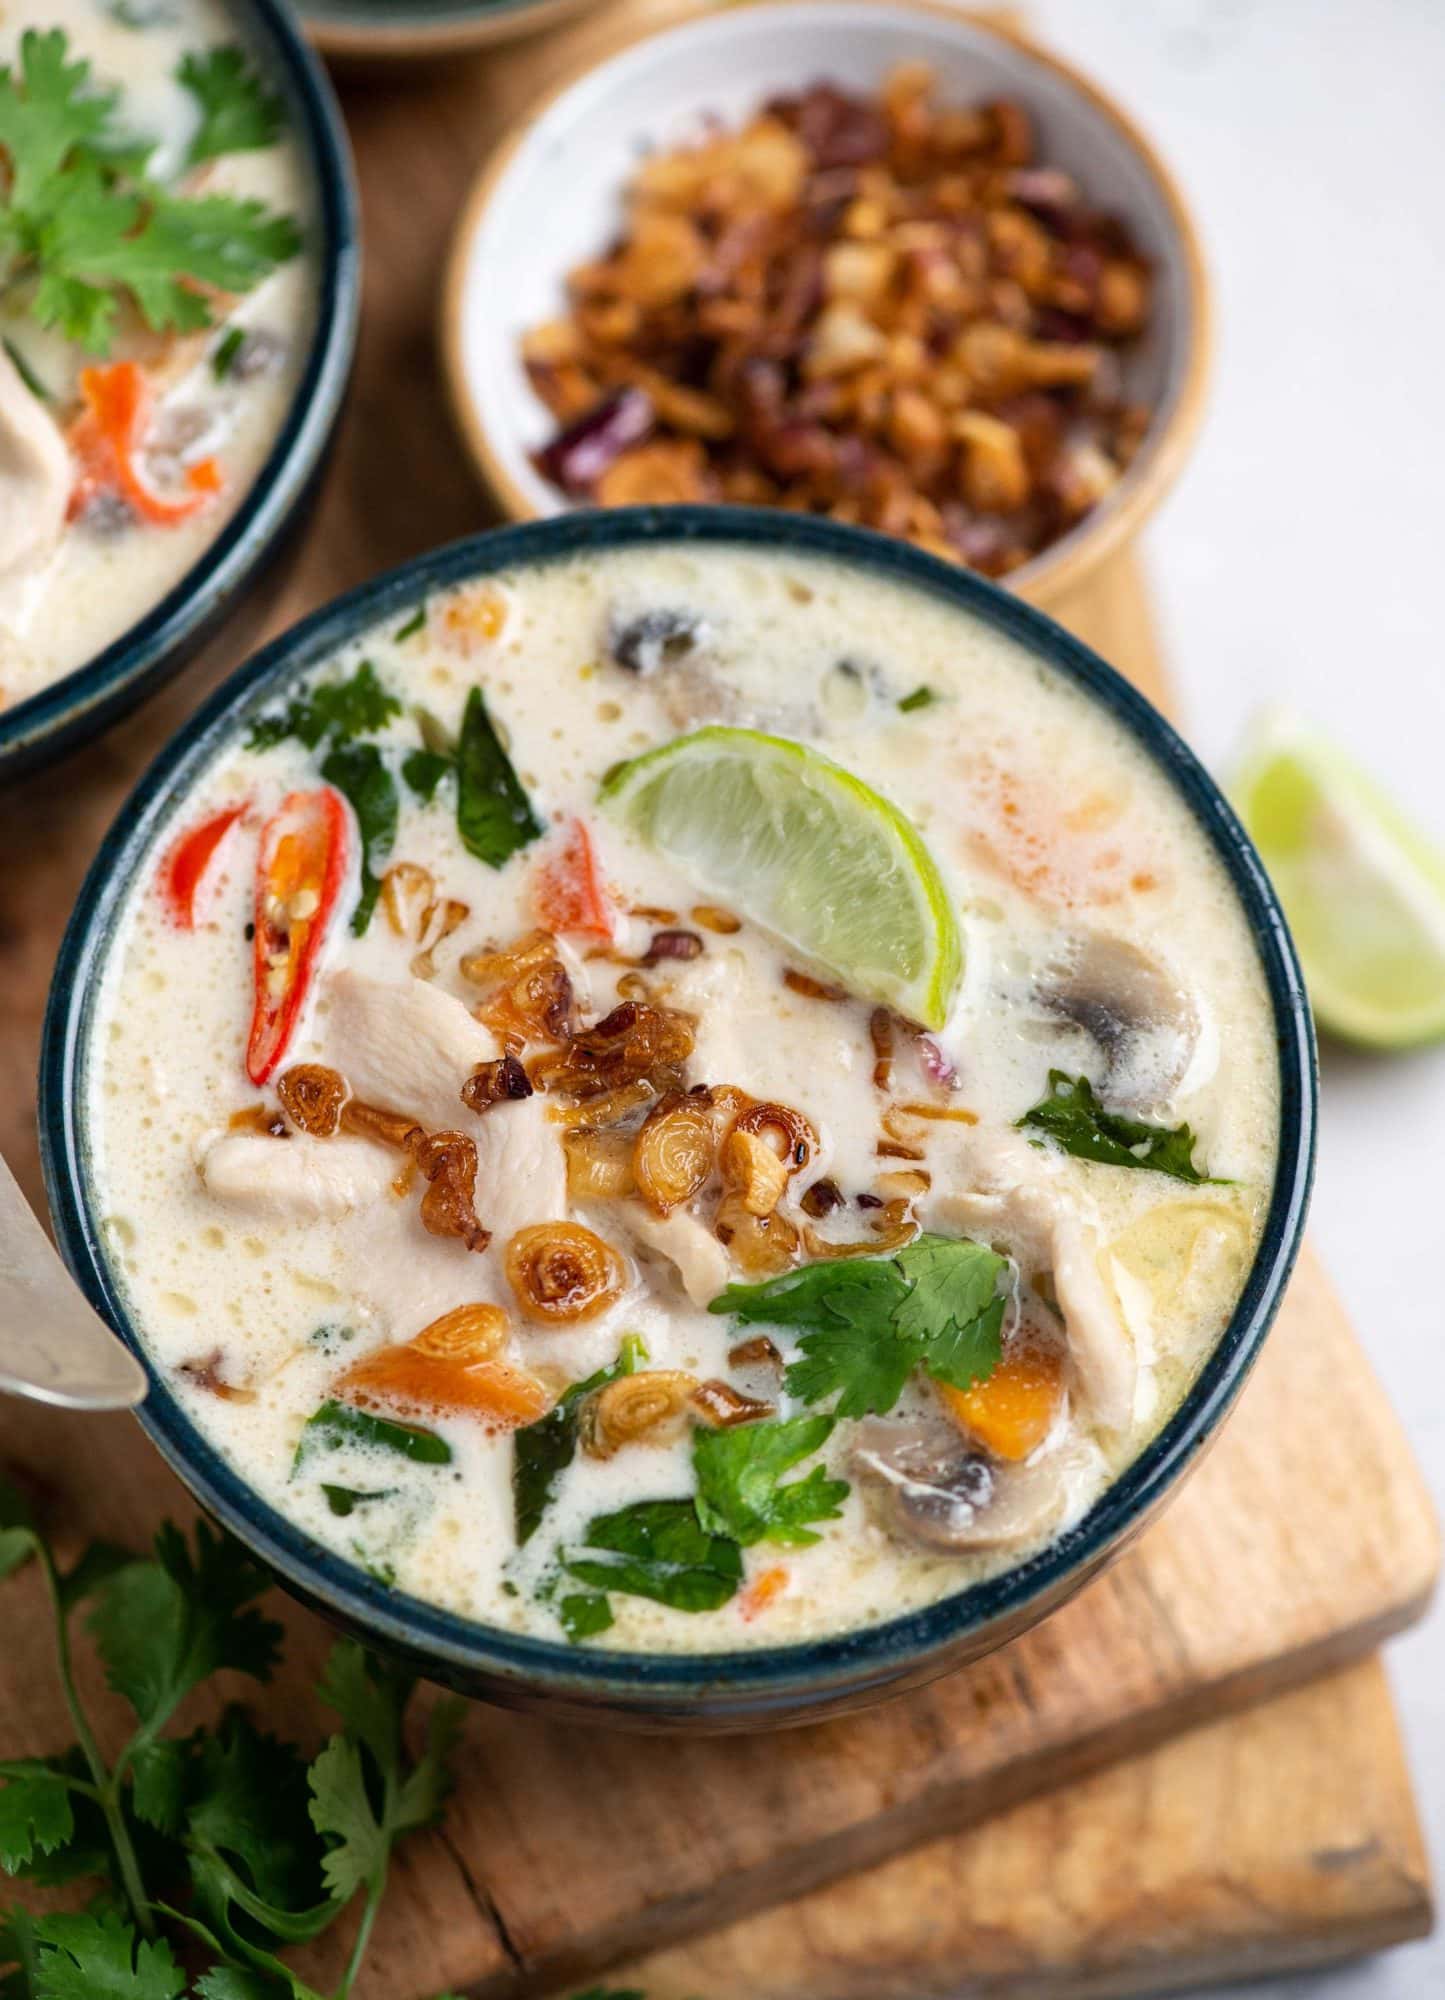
pixel 1363 889
pixel 799 845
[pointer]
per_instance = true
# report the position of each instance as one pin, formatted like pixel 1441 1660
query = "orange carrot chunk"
pixel 1012 1412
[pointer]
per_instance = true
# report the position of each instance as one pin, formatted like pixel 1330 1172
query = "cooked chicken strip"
pixel 295 1179
pixel 407 1047
pixel 35 476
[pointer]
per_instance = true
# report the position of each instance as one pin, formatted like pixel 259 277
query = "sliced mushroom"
pixel 649 640
pixel 933 1490
pixel 1143 1017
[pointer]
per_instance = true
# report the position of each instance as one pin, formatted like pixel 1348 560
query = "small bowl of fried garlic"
pixel 877 262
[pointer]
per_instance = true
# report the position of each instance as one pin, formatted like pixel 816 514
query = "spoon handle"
pixel 54 1347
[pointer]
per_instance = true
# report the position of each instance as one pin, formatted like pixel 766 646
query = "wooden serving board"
pixel 1303 1540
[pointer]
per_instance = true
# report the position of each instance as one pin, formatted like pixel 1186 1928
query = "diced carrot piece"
pixel 569 891
pixel 1012 1412
pixel 408 1378
pixel 767 1585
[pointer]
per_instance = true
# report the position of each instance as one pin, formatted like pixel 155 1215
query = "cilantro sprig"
pixel 226 1840
pixel 84 226
pixel 1072 1116
pixel 740 1487
pixel 868 1322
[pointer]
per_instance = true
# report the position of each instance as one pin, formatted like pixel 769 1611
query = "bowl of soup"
pixel 693 1116
pixel 170 376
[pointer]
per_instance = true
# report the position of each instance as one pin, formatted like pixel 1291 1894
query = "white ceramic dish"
pixel 551 196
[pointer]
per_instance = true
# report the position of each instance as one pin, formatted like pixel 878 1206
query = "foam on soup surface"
pixel 140 394
pixel 588 1258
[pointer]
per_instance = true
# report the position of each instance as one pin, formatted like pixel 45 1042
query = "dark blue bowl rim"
pixel 806 1672
pixel 226 564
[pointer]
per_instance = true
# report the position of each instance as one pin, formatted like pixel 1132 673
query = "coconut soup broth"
pixel 1102 942
pixel 82 556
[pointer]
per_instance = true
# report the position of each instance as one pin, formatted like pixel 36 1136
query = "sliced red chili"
pixel 299 874
pixel 570 892
pixel 185 866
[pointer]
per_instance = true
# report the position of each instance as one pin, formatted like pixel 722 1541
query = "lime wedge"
pixel 1364 890
pixel 802 847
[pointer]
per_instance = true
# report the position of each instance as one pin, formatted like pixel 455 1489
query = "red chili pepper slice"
pixel 570 892
pixel 184 868
pixel 299 874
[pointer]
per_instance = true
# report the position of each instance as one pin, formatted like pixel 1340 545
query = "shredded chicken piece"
pixel 407 1047
pixel 35 476
pixel 300 1178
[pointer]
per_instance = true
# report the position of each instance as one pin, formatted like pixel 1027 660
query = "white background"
pixel 1302 560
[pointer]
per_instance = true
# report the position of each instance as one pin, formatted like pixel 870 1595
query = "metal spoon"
pixel 54 1347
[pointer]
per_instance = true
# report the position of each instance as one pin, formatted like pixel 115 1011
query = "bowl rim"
pixel 344 37
pixel 798 1675
pixel 1056 570
pixel 155 644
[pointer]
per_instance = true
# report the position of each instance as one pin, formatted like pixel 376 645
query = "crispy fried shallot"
pixel 722 1407
pixel 449 1162
pixel 312 1097
pixel 672 1155
pixel 753 1170
pixel 562 1272
pixel 495 1083
pixel 649 1408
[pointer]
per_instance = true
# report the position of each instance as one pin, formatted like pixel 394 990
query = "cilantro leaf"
pixel 658 1549
pixel 102 1958
pixel 359 773
pixel 424 771
pixel 336 1424
pixel 341 710
pixel 158 1790
pixel 1073 1118
pixel 542 1452
pixel 953 1310
pixel 46 111
pixel 494 814
pixel 739 1481
pixel 162 1626
pixel 18 1536
pixel 239 112
pixel 249 1804
pixel 870 1321
pixel 35 1812
pixel 583 1614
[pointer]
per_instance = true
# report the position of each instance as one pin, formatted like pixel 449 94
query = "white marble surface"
pixel 1301 561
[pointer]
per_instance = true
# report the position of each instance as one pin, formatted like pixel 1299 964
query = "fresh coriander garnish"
pixel 1072 1116
pixel 227 348
pixel 921 697
pixel 240 113
pixel 583 1614
pixel 870 1321
pixel 341 1423
pixel 424 771
pixel 26 373
pixel 542 1452
pixel 84 226
pixel 740 1490
pixel 658 1549
pixel 494 814
pixel 359 773
pixel 338 710
pixel 416 623
pixel 225 1840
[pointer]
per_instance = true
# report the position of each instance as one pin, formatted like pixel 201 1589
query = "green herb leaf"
pixel 26 373
pixel 47 109
pixel 35 1812
pixel 19 1537
pixel 163 1626
pixel 583 1614
pixel 93 1567
pixel 494 814
pixel 223 360
pixel 739 1481
pixel 158 1793
pixel 660 1550
pixel 336 1424
pixel 869 1321
pixel 359 772
pixel 239 112
pixel 953 1311
pixel 416 623
pixel 921 697
pixel 424 770
pixel 542 1452
pixel 102 1958
pixel 344 1500
pixel 1072 1116
pixel 341 710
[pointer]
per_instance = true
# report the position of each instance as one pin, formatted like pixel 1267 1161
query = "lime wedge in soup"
pixel 803 848
pixel 1364 889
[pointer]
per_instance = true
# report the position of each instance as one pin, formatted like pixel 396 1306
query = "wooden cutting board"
pixel 1303 1540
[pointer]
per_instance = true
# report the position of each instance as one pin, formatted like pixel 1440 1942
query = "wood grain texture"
pixel 1238 1849
pixel 1303 1540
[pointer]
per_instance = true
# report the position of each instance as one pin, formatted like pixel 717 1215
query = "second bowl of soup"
pixel 692 1118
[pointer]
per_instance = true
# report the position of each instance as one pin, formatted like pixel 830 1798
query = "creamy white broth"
pixel 67 594
pixel 230 1284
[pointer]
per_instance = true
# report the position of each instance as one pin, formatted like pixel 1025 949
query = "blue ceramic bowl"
pixel 733 1690
pixel 83 702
